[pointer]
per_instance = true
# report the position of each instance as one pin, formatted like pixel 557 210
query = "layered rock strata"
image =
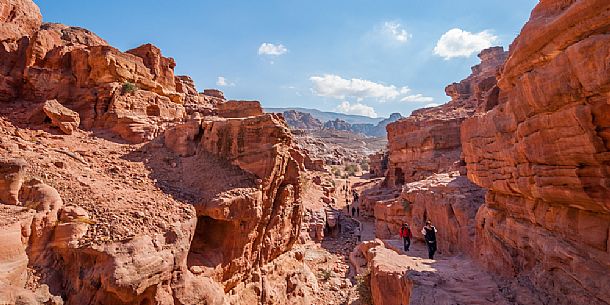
pixel 542 152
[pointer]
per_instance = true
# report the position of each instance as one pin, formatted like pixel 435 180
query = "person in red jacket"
pixel 405 233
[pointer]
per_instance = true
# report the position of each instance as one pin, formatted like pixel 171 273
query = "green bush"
pixel 364 165
pixel 351 169
pixel 129 88
pixel 325 275
pixel 337 173
pixel 405 204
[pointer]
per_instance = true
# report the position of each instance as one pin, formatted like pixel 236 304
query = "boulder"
pixel 12 172
pixel 63 118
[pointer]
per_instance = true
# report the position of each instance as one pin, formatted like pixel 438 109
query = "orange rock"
pixel 542 153
pixel 239 109
pixel 62 117
pixel 11 179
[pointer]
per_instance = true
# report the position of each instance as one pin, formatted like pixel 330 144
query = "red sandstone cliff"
pixel 425 171
pixel 542 154
pixel 208 198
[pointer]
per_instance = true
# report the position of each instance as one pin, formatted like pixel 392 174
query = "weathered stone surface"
pixel 239 109
pixel 18 18
pixel 378 164
pixel 543 152
pixel 11 179
pixel 449 200
pixel 428 141
pixel 62 117
pixel 301 120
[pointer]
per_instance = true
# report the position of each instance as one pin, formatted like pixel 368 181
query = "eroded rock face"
pixel 62 117
pixel 449 200
pixel 428 141
pixel 239 109
pixel 133 94
pixel 11 179
pixel 301 120
pixel 246 223
pixel 378 164
pixel 542 153
pixel 19 18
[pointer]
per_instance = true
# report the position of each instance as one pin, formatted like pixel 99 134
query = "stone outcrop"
pixel 133 94
pixel 449 200
pixel 11 179
pixel 396 279
pixel 62 117
pixel 301 120
pixel 542 152
pixel 378 164
pixel 338 124
pixel 247 225
pixel 239 109
pixel 428 141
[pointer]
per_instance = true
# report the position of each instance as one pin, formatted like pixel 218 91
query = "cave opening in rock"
pixel 212 236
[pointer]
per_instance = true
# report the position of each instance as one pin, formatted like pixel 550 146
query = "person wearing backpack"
pixel 405 233
pixel 429 232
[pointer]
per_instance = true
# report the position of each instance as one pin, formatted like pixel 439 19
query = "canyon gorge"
pixel 121 183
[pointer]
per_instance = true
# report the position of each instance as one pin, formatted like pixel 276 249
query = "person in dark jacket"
pixel 405 233
pixel 429 232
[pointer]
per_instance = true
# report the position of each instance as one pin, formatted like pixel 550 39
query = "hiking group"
pixel 429 233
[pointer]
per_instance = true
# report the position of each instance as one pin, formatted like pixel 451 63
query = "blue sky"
pixel 354 56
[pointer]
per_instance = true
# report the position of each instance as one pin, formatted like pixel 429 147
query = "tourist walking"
pixel 429 232
pixel 353 211
pixel 405 233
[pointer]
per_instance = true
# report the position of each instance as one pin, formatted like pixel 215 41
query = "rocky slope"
pixel 121 184
pixel 542 154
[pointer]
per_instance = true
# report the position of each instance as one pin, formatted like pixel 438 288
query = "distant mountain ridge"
pixel 307 121
pixel 325 116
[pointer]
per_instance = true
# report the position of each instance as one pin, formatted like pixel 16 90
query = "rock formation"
pixel 425 175
pixel 428 141
pixel 541 151
pixel 209 197
pixel 378 164
pixel 301 120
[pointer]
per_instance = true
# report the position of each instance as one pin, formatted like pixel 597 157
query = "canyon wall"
pixel 425 177
pixel 542 153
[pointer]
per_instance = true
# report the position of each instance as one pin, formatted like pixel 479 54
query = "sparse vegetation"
pixel 337 172
pixel 325 275
pixel 363 286
pixel 364 165
pixel 351 169
pixel 129 87
pixel 85 220
pixel 406 204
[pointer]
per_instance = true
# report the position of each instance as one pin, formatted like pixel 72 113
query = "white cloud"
pixel 417 98
pixel 356 108
pixel 331 85
pixel 431 105
pixel 395 30
pixel 335 86
pixel 272 49
pixel 222 81
pixel 460 43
